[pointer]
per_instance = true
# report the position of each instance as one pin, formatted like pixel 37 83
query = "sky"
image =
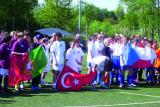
pixel 109 4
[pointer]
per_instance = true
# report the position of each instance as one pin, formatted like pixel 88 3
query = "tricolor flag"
pixel 17 71
pixel 38 59
pixel 138 57
pixel 69 79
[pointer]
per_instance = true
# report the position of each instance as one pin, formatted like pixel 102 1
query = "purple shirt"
pixel 4 56
pixel 13 40
pixel 20 46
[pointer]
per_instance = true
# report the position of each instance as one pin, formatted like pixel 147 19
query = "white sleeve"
pixel 64 47
pixel 81 51
pixel 52 48
pixel 67 54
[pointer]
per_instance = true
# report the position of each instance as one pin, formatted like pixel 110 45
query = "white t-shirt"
pixel 116 48
pixel 99 61
pixel 122 53
pixel 79 55
pixel 151 54
pixel 91 51
pixel 58 47
pixel 71 58
pixel 99 46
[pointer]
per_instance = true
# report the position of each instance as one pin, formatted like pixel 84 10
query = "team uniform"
pixel 91 53
pixel 115 62
pixel 150 70
pixel 79 55
pixel 58 48
pixel 47 52
pixel 122 52
pixel 71 59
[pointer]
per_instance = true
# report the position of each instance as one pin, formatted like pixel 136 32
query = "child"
pixel 4 62
pixel 79 56
pixel 71 60
pixel 48 66
pixel 57 50
pixel 91 52
pixel 122 52
pixel 106 51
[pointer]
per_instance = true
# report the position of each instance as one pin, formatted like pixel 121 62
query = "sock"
pixel 117 77
pixel 131 79
pixel 5 82
pixel 106 78
pixel 111 76
pixel 134 76
pixel 122 79
pixel 1 77
pixel 128 79
pixel 98 76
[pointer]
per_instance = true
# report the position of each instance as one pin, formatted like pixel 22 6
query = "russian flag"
pixel 137 57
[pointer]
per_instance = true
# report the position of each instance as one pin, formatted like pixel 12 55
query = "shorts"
pixel 3 71
pixel 116 62
pixel 58 68
pixel 107 65
pixel 123 68
pixel 133 69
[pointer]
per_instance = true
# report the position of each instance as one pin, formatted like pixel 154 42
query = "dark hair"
pixel 58 34
pixel 6 39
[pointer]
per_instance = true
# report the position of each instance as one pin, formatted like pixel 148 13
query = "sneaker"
pixel 133 85
pixel 43 82
pixel 102 84
pixel 21 87
pixel 54 85
pixel 121 86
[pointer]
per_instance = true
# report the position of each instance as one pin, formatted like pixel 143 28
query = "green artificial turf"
pixel 141 96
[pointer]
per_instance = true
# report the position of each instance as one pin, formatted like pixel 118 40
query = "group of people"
pixel 124 54
pixel 108 53
pixel 20 43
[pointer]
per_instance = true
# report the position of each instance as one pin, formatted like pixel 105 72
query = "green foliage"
pixel 143 16
pixel 130 17
pixel 54 13
pixel 17 12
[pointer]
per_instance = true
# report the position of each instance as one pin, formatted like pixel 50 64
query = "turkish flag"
pixel 69 79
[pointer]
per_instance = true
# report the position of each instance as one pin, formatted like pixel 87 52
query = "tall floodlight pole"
pixel 79 22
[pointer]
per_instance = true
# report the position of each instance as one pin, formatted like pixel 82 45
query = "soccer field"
pixel 133 97
pixel 141 96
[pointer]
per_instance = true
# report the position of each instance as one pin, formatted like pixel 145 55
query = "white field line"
pixel 145 95
pixel 141 103
pixel 112 105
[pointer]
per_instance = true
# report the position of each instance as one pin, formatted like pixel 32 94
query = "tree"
pixel 54 13
pixel 15 13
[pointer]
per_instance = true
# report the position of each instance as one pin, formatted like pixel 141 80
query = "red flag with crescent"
pixel 70 80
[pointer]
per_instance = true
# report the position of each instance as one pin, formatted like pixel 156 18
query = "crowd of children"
pixel 112 49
